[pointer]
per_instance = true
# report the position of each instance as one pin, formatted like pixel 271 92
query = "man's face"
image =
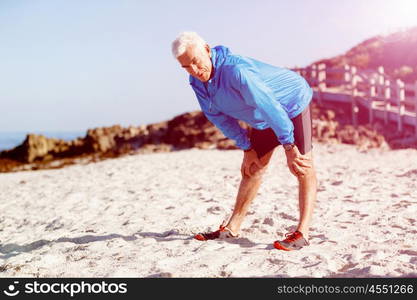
pixel 197 62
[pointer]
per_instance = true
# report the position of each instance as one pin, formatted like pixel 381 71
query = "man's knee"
pixel 257 172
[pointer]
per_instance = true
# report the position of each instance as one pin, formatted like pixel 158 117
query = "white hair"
pixel 184 40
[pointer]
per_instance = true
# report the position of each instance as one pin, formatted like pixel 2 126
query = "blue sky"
pixel 74 65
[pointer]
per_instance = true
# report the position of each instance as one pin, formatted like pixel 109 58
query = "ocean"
pixel 9 140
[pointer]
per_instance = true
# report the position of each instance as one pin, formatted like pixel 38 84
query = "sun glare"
pixel 402 13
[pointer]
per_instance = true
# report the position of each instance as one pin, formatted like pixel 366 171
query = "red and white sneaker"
pixel 293 241
pixel 222 233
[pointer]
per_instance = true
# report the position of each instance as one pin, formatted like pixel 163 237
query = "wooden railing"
pixel 382 96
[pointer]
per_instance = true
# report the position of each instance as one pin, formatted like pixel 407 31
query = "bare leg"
pixel 307 194
pixel 248 189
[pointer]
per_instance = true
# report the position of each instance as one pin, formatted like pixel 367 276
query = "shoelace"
pixel 292 236
pixel 216 234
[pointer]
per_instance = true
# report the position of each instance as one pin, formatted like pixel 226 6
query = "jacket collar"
pixel 214 63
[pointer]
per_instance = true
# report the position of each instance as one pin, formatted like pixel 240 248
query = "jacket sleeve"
pixel 257 94
pixel 228 126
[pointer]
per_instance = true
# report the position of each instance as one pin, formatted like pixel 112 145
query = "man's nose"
pixel 194 69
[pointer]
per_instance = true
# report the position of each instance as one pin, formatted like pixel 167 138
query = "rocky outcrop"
pixel 193 130
pixel 328 127
pixel 189 130
pixel 38 148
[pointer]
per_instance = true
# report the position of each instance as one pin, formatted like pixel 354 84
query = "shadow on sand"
pixel 12 249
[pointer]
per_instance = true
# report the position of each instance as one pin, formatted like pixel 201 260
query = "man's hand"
pixel 250 164
pixel 297 163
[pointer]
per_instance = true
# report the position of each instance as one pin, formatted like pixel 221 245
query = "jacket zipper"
pixel 210 100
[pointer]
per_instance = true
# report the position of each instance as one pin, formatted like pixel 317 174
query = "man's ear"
pixel 208 49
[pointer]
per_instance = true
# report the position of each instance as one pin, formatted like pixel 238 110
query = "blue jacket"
pixel 249 90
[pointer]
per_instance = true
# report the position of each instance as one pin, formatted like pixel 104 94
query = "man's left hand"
pixel 297 162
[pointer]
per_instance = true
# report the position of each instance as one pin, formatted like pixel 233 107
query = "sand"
pixel 134 217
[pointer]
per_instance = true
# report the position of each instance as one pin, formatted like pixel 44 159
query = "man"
pixel 275 103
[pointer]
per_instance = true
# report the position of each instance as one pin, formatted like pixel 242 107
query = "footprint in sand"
pixel 347 267
pixel 408 252
pixel 215 210
pixel 211 200
pixel 323 239
pixel 225 274
pixel 161 275
pixel 268 221
pixel 408 173
pixel 288 217
pixel 356 213
pixel 321 188
pixel 54 225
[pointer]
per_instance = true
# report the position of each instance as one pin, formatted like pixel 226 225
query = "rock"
pixel 191 129
pixel 156 133
pixel 102 139
pixel 330 126
pixel 34 147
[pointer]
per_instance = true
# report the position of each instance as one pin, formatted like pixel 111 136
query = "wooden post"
pixel 381 70
pixel 387 103
pixel 346 76
pixel 400 102
pixel 354 93
pixel 321 83
pixel 353 71
pixel 321 76
pixel 307 74
pixel 319 98
pixel 372 94
pixel 381 82
pixel 415 108
pixel 314 75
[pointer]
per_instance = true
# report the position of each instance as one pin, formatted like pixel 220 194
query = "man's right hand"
pixel 250 158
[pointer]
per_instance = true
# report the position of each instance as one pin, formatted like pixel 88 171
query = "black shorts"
pixel 265 140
